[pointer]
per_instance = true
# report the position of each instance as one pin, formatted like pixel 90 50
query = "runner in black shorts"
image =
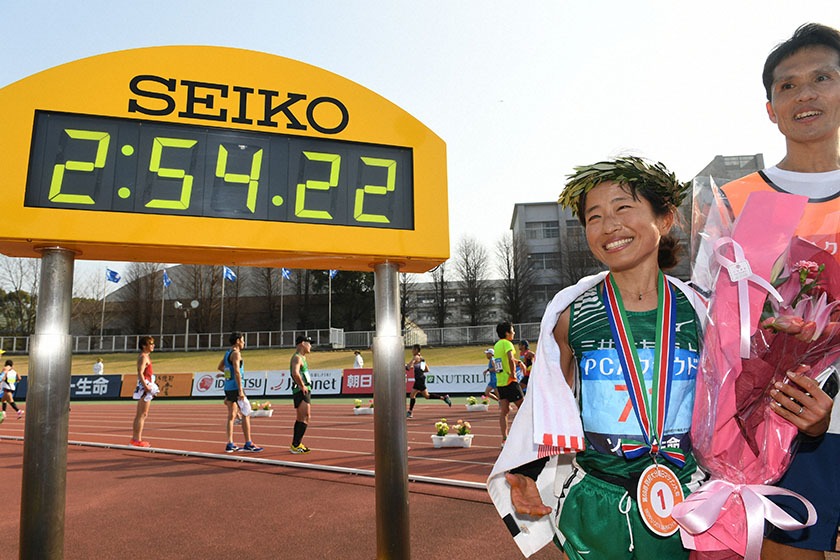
pixel 526 357
pixel 420 369
pixel 301 393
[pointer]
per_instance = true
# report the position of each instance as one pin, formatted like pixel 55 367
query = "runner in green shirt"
pixel 301 393
pixel 505 361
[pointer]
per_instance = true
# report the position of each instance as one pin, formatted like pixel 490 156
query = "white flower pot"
pixel 477 407
pixel 269 412
pixel 452 440
pixel 363 410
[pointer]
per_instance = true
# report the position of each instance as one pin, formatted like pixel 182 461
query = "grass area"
pixel 190 362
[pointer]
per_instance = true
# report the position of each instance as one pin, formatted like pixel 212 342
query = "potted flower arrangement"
pixel 262 409
pixel 359 409
pixel 461 438
pixel 473 404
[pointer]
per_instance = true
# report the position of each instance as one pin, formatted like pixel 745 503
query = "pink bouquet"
pixel 757 331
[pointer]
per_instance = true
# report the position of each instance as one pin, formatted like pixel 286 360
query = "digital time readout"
pixel 107 164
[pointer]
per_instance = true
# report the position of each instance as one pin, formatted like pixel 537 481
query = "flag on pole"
pixel 287 274
pixel 229 274
pixel 333 273
pixel 166 280
pixel 112 275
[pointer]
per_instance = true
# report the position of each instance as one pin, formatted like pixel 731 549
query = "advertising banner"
pixel 324 382
pixel 211 384
pixel 440 379
pixel 95 386
pixel 171 384
pixel 357 382
pixel 455 379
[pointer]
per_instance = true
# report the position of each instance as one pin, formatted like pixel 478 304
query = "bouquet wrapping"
pixel 772 297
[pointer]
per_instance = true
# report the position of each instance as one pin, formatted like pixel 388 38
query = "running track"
pixel 125 503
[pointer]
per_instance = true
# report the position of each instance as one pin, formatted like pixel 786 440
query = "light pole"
pixel 186 310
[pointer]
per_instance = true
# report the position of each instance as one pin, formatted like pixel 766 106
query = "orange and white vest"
pixel 820 224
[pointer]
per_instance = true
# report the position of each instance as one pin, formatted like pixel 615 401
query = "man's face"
pixel 510 334
pixel 805 95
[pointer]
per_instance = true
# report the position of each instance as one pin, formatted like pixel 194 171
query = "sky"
pixel 521 92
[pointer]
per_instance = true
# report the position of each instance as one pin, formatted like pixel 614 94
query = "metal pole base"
pixel 44 481
pixel 390 441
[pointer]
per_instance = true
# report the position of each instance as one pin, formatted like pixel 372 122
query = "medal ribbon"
pixel 650 412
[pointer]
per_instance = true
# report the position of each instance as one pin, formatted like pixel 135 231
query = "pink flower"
pixel 811 267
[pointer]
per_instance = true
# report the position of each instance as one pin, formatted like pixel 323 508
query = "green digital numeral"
pixel 251 180
pixel 335 165
pixel 390 182
pixel 102 139
pixel 168 173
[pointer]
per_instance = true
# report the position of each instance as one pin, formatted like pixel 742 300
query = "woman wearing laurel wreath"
pixel 627 342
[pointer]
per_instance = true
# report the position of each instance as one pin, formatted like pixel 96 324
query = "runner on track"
pixel 301 393
pixel 9 379
pixel 420 370
pixel 490 391
pixel 145 391
pixel 233 366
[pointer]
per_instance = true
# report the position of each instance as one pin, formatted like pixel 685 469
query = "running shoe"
pixel 447 400
pixel 409 414
pixel 237 421
pixel 231 448
pixel 249 446
pixel 20 413
pixel 136 443
pixel 299 449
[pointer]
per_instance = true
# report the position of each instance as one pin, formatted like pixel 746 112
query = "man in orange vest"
pixel 802 80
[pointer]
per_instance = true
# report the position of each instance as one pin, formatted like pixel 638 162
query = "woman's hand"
pixel 525 496
pixel 811 409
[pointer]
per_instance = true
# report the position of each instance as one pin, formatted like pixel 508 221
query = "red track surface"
pixel 133 504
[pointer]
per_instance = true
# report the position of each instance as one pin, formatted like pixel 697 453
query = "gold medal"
pixel 658 492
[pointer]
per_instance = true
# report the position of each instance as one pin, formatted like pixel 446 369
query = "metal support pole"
pixel 43 487
pixel 390 442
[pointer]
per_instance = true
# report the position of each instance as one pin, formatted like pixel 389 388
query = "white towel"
pixel 245 406
pixel 549 414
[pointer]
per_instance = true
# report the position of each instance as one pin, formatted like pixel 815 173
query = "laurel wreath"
pixel 653 178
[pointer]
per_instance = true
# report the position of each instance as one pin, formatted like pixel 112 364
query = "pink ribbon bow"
pixel 740 273
pixel 702 508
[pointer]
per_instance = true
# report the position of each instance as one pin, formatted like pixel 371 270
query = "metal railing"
pixel 336 338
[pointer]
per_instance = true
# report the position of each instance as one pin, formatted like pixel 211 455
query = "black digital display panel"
pixel 107 164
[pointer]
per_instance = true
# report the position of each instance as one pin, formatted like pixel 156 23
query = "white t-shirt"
pixel 98 368
pixel 358 362
pixel 815 186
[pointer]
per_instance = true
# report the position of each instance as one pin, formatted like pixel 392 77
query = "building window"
pixel 544 261
pixel 542 230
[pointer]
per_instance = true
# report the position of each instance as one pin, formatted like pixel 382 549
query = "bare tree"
pixel 21 277
pixel 407 285
pixel 517 277
pixel 265 283
pixel 142 294
pixel 87 304
pixel 303 286
pixel 578 260
pixel 441 292
pixel 352 297
pixel 202 283
pixel 471 268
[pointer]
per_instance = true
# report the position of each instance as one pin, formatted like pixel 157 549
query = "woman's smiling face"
pixel 622 231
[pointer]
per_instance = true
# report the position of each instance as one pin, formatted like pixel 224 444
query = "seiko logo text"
pixel 237 104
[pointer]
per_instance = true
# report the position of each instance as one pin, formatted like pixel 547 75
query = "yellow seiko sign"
pixel 214 155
